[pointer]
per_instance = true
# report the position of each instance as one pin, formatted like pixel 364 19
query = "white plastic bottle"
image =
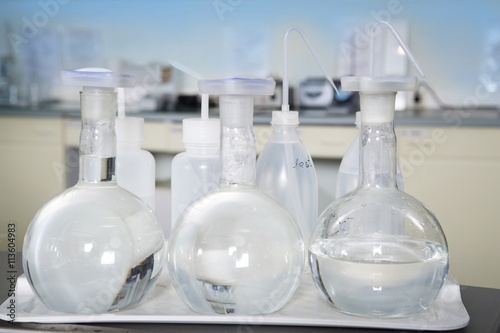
pixel 195 172
pixel 286 171
pixel 348 174
pixel 135 167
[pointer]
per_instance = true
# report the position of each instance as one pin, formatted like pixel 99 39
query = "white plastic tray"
pixel 306 308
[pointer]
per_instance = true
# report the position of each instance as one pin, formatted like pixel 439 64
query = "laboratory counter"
pixel 320 117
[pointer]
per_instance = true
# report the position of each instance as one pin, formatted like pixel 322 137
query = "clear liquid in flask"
pixel 80 264
pixel 399 271
pixel 245 251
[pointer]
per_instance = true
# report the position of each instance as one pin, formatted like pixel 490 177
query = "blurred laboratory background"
pixel 447 140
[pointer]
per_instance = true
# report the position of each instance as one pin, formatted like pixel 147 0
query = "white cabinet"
pixel 455 171
pixel 31 172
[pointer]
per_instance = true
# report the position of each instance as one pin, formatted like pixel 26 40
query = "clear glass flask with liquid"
pixel 377 251
pixel 236 249
pixel 95 247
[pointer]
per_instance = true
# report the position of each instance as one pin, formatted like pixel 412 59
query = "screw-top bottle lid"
pixel 285 118
pixel 201 131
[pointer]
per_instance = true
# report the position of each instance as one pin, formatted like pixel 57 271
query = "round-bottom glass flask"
pixel 377 251
pixel 236 249
pixel 95 247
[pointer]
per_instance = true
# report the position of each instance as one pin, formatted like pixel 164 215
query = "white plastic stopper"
pixel 289 118
pixel 196 131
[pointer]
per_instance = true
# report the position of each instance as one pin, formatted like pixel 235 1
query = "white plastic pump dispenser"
pixel 195 172
pixel 377 251
pixel 236 250
pixel 94 247
pixel 135 167
pixel 285 169
pixel 348 174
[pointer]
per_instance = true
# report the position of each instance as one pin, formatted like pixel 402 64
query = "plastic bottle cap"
pixel 237 86
pixel 201 131
pixel 96 77
pixel 129 129
pixel 290 118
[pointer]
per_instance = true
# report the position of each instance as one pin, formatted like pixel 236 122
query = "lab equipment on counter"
pixel 377 251
pixel 285 169
pixel 316 93
pixel 135 167
pixel 95 247
pixel 195 172
pixel 236 249
pixel 348 174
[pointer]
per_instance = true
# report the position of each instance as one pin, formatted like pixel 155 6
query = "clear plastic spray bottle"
pixel 285 169
pixel 135 167
pixel 95 247
pixel 195 172
pixel 236 249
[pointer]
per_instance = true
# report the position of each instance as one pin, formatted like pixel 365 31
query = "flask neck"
pixel 377 155
pixel 237 151
pixel 98 138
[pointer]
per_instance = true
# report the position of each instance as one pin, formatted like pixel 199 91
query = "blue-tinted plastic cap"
pixel 237 86
pixel 96 77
